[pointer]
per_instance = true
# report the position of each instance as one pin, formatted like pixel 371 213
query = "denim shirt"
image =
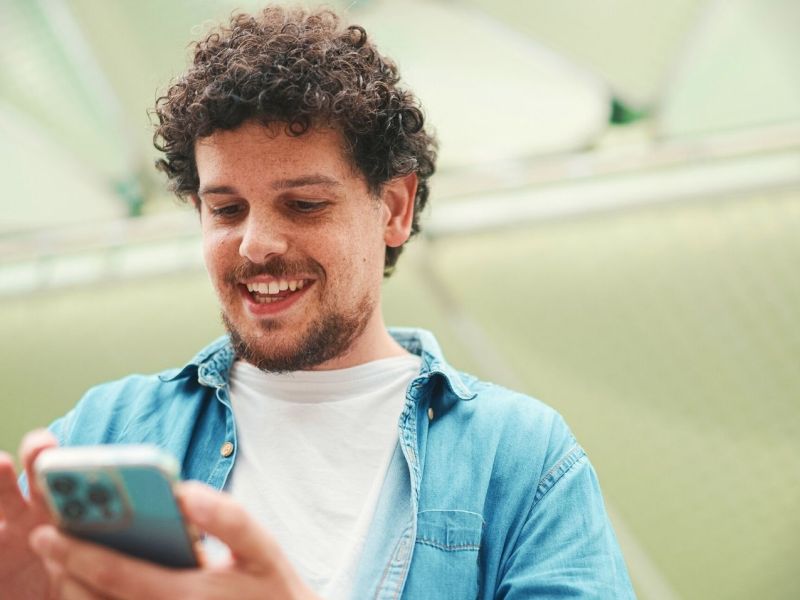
pixel 488 495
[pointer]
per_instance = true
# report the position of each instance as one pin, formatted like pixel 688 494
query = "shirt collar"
pixel 423 343
pixel 213 363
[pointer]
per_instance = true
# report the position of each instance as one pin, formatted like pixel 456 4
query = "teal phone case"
pixel 128 508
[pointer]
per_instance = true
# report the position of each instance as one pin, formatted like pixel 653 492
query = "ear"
pixel 398 197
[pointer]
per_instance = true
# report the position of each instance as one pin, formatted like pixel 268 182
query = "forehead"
pixel 267 151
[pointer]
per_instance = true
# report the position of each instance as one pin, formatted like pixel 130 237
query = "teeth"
pixel 275 287
pixel 266 300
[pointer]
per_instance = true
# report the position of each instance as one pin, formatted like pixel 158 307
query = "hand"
pixel 22 573
pixel 256 569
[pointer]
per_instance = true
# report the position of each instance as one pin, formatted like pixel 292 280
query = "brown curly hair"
pixel 301 68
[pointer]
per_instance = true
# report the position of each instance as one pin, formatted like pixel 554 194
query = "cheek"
pixel 363 250
pixel 219 252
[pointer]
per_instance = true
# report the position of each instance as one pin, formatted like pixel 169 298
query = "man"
pixel 308 165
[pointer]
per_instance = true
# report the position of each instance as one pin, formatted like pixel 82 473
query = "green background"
pixel 668 337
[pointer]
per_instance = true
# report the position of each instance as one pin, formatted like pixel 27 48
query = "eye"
pixel 307 206
pixel 227 211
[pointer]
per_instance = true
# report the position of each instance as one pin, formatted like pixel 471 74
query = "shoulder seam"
pixel 557 471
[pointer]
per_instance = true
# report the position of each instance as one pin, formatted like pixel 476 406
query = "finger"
pixel 71 589
pixel 221 516
pixel 107 573
pixel 12 502
pixel 55 573
pixel 32 445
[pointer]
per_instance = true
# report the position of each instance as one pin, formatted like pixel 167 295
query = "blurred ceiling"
pixel 501 80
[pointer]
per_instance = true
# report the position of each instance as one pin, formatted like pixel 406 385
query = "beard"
pixel 329 336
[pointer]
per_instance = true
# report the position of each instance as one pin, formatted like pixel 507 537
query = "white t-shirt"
pixel 314 448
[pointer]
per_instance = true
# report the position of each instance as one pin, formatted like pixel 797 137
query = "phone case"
pixel 120 497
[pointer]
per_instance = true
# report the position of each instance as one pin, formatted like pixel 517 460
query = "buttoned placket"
pixel 415 412
pixel 214 374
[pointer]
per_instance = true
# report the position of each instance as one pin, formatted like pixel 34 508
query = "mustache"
pixel 275 267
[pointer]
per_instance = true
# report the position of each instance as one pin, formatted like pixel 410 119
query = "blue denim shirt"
pixel 492 497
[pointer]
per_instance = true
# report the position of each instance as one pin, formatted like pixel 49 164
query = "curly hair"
pixel 304 69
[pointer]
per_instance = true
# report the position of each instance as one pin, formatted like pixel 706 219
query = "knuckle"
pixel 104 574
pixel 69 589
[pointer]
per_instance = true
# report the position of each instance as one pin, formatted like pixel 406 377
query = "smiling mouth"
pixel 276 290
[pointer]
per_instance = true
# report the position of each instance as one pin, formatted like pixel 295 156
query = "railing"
pixel 488 196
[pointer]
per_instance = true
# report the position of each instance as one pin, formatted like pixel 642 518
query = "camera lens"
pixel 99 495
pixel 74 510
pixel 63 485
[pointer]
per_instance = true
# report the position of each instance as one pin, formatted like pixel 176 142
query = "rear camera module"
pixel 73 510
pixel 63 485
pixel 99 495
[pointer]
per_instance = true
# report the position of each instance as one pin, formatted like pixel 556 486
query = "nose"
pixel 262 239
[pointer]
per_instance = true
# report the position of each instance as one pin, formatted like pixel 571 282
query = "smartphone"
pixel 121 497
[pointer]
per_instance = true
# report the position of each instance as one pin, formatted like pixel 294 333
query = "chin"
pixel 328 337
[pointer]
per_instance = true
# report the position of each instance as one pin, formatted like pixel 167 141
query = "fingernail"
pixel 44 541
pixel 39 540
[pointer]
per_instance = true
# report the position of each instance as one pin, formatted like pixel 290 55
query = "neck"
pixel 374 343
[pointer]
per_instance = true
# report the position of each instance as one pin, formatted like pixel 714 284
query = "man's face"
pixel 293 242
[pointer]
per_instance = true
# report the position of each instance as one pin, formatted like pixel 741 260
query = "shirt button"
pixel 430 414
pixel 227 449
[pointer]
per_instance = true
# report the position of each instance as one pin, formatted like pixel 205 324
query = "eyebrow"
pixel 284 184
pixel 281 184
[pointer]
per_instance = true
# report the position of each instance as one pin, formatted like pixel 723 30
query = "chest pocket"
pixel 445 563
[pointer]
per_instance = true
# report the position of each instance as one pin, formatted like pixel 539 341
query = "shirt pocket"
pixel 445 563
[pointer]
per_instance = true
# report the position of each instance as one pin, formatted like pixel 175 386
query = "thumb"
pixel 33 444
pixel 220 515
